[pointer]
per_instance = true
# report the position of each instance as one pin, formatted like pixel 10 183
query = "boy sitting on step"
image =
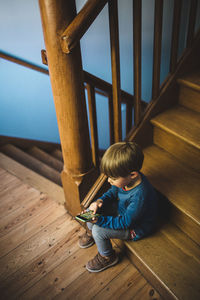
pixel 128 209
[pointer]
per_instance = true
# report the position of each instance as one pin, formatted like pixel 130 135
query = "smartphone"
pixel 87 216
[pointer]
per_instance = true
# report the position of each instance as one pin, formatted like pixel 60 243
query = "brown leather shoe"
pixel 86 240
pixel 100 263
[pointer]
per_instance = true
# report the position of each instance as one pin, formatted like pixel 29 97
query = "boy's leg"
pixel 86 240
pixel 102 238
pixel 106 256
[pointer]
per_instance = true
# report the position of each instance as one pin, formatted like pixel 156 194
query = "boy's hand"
pixel 95 205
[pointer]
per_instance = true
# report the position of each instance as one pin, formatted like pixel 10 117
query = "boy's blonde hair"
pixel 121 159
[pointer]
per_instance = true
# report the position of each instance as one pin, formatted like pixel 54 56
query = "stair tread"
pixel 181 122
pixel 57 154
pixel 192 80
pixel 32 163
pixel 171 262
pixel 175 181
pixel 32 178
pixel 46 158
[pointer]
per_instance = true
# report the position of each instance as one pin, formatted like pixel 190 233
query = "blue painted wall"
pixel 26 102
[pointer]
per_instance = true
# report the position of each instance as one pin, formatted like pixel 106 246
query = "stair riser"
pixel 33 164
pixel 184 152
pixel 186 224
pixel 189 98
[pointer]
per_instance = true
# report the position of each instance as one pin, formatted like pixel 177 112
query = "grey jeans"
pixel 102 237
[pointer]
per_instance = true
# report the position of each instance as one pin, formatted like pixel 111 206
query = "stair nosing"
pixel 189 84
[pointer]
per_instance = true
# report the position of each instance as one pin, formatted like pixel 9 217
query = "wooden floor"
pixel 40 257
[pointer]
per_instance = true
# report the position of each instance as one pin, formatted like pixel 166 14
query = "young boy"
pixel 128 208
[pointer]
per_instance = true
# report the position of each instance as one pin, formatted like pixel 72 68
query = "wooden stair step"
pixel 32 163
pixel 177 130
pixel 172 268
pixel 189 95
pixel 32 178
pixel 46 158
pixel 57 154
pixel 179 185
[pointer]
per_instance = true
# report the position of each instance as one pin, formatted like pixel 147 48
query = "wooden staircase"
pixel 170 258
pixel 38 164
pixel 46 163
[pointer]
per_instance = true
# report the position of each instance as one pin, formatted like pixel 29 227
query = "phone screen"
pixel 87 216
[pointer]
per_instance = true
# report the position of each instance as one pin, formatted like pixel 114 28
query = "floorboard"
pixel 40 257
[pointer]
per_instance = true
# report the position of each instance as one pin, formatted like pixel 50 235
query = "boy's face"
pixel 122 182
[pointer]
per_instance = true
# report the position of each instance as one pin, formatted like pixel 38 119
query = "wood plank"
pixel 33 247
pixel 32 224
pixel 33 203
pixel 147 293
pixel 60 277
pixel 15 199
pixel 174 273
pixel 45 262
pixel 183 151
pixel 7 183
pixel 181 122
pixel 89 284
pixel 119 285
pixel 30 177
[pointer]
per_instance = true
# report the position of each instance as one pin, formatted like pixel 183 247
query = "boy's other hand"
pixel 95 205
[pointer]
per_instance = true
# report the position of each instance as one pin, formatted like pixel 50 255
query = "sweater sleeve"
pixel 111 194
pixel 132 213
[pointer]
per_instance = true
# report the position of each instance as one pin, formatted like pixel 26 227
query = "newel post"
pixel 66 76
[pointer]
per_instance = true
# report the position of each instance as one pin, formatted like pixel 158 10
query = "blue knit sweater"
pixel 136 208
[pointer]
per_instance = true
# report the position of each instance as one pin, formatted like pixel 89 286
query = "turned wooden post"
pixel 66 76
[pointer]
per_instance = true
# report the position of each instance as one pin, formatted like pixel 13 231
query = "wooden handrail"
pixel 192 20
pixel 101 86
pixel 22 62
pixel 175 34
pixel 72 35
pixel 115 62
pixel 137 19
pixel 157 48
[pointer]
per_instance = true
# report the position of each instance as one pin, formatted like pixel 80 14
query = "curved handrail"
pixel 77 28
pixel 23 62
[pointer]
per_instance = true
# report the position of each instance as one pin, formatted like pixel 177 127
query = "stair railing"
pixel 69 37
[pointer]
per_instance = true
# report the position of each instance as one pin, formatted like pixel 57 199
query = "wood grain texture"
pixel 40 256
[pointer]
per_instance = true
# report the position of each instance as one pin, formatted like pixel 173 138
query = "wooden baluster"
pixel 137 16
pixel 128 117
pixel 114 40
pixel 192 20
pixel 157 47
pixel 175 34
pixel 111 118
pixel 93 124
pixel 66 77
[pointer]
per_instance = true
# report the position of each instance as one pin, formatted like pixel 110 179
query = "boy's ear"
pixel 134 174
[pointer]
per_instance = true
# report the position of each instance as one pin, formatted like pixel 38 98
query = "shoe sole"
pixel 106 267
pixel 86 246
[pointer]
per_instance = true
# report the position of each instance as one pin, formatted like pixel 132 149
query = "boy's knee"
pixel 96 231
